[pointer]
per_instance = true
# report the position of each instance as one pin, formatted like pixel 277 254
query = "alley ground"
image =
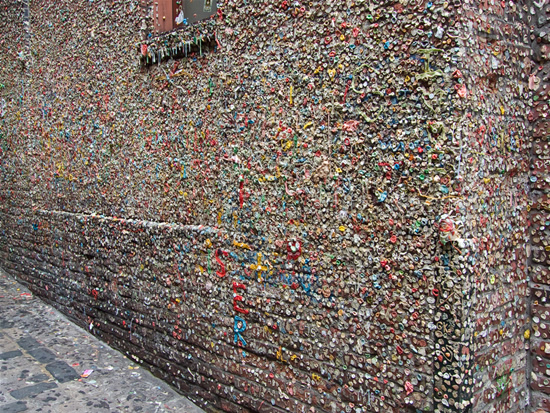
pixel 47 364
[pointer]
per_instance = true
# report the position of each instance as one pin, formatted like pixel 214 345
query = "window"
pixel 172 14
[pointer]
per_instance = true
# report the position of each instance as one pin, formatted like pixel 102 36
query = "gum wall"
pixel 295 206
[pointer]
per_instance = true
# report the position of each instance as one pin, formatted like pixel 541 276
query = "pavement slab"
pixel 14 407
pixel 33 390
pixel 62 372
pixel 10 354
pixel 43 356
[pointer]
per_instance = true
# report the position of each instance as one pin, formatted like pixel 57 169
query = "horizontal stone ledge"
pixel 144 223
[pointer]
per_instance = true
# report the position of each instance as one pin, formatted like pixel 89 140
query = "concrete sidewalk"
pixel 44 359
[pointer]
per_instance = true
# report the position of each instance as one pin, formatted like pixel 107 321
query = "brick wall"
pixel 290 206
pixel 495 157
pixel 538 262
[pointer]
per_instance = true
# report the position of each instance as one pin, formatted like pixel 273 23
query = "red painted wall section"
pixel 164 15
